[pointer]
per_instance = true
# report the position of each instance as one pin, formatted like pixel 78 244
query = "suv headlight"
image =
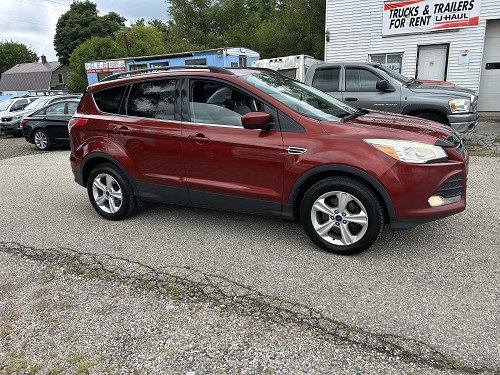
pixel 459 105
pixel 408 151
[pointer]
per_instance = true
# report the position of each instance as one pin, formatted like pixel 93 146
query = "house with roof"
pixel 44 76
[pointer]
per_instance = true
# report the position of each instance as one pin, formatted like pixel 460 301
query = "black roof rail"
pixel 213 69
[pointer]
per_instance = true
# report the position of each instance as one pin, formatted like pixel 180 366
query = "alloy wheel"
pixel 41 140
pixel 339 218
pixel 107 193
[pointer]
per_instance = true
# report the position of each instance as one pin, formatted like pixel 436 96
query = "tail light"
pixel 76 122
pixel 24 122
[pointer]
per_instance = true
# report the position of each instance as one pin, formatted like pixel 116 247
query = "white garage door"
pixel 489 90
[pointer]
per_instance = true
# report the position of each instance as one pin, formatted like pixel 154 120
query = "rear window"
pixel 152 99
pixel 109 100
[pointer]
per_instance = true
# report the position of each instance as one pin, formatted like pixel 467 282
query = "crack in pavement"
pixel 186 283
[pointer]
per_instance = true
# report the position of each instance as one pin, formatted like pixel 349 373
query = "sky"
pixel 33 22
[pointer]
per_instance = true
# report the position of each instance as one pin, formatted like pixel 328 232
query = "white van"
pixel 292 66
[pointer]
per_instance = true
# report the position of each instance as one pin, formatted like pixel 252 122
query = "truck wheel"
pixel 342 215
pixel 433 117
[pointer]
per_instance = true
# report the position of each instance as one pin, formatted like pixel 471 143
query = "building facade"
pixel 222 57
pixel 457 41
pixel 44 77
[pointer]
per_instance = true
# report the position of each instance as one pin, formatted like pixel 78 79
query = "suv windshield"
pixel 393 74
pixel 5 104
pixel 39 103
pixel 299 97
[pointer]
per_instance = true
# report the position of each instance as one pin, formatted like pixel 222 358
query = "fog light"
pixel 437 200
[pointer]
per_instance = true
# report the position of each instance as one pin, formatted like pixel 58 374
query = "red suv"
pixel 255 141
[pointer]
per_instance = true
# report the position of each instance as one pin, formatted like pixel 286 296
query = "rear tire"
pixel 111 193
pixel 41 140
pixel 433 117
pixel 342 215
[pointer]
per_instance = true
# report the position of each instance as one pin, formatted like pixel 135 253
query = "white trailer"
pixel 292 66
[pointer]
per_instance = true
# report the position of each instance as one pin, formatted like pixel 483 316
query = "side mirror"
pixel 384 85
pixel 256 120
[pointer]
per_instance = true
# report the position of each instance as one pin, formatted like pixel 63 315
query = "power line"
pixel 56 2
pixel 40 5
pixel 35 23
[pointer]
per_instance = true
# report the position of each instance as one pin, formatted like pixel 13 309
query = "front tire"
pixel 111 193
pixel 342 215
pixel 41 140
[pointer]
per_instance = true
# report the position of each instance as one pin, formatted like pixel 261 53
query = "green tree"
pixel 13 53
pixel 271 27
pixel 141 40
pixel 80 23
pixel 298 27
pixel 96 48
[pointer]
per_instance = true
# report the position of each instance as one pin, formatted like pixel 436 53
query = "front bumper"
pixel 10 127
pixel 463 122
pixel 411 186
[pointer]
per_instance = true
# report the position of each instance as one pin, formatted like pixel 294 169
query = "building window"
pixel 196 62
pixel 60 77
pixel 243 61
pixel 392 61
pixel 159 64
pixel 137 67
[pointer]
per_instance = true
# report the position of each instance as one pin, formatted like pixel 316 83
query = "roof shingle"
pixel 30 76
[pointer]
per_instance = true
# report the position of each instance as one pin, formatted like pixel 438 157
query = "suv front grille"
pixel 452 187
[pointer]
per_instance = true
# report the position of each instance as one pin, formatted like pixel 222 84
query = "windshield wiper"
pixel 359 112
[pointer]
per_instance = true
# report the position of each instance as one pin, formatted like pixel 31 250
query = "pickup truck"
pixel 373 86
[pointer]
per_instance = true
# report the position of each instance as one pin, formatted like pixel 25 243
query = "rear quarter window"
pixel 109 100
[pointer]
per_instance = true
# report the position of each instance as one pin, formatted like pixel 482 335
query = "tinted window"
pixel 326 80
pixel 72 107
pixel 109 100
pixel 218 104
pixel 360 80
pixel 196 62
pixel 55 109
pixel 153 99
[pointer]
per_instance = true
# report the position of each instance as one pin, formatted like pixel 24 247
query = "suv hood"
pixel 439 87
pixel 405 123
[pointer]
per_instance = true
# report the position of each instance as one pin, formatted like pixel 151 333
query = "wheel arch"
pixel 94 159
pixel 312 176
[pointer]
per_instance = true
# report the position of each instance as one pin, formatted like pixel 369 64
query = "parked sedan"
pixel 48 126
pixel 11 113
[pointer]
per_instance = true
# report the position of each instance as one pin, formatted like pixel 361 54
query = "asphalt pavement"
pixel 438 283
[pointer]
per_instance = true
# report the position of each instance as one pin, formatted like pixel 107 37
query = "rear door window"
pixel 109 100
pixel 72 108
pixel 153 99
pixel 55 109
pixel 327 80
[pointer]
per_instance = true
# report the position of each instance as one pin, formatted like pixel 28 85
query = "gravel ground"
pixel 11 147
pixel 52 322
pixel 486 138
